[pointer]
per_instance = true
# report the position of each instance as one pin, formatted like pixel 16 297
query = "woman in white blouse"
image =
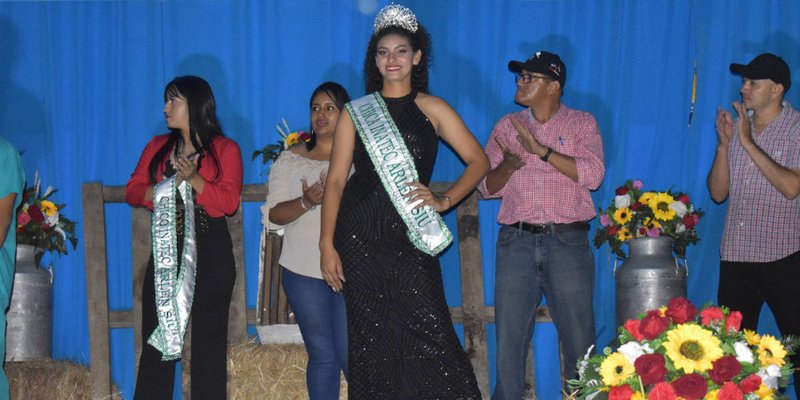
pixel 296 184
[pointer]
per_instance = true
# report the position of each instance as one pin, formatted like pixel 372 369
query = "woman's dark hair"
pixel 419 40
pixel 337 93
pixel 203 123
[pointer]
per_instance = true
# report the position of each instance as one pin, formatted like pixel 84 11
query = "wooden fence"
pixel 273 308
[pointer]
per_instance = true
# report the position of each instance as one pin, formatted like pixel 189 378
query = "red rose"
pixel 691 386
pixel 623 392
pixel 305 137
pixel 684 198
pixel 750 384
pixel 651 368
pixel 613 229
pixel 681 310
pixel 636 206
pixel 653 324
pixel 711 314
pixel 642 231
pixel 621 190
pixel 662 391
pixel 729 391
pixel 733 322
pixel 724 369
pixel 36 214
pixel 690 220
pixel 22 219
pixel 632 325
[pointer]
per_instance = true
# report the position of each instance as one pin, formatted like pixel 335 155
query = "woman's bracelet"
pixel 303 204
pixel 447 197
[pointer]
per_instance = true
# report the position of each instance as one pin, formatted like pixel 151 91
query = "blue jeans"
pixel 320 313
pixel 559 266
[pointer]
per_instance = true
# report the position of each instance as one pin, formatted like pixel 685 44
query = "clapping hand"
pixel 312 195
pixel 527 139
pixel 511 161
pixel 724 125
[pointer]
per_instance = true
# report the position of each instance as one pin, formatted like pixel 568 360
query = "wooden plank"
pixel 474 307
pixel 94 234
pixel 237 321
pixel 120 319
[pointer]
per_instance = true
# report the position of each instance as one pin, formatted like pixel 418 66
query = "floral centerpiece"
pixel 676 352
pixel 288 139
pixel 638 213
pixel 41 224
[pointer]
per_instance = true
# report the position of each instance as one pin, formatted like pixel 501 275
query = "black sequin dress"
pixel 402 344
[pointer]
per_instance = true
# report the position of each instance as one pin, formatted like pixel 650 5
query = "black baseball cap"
pixel 766 66
pixel 544 63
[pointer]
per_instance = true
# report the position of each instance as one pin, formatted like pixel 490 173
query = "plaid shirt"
pixel 761 225
pixel 538 193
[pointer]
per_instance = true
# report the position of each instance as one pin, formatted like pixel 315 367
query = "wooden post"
pixel 474 307
pixel 94 233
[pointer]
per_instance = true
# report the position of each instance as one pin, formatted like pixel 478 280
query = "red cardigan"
pixel 218 198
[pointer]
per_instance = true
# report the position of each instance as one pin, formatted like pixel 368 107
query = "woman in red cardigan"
pixel 193 171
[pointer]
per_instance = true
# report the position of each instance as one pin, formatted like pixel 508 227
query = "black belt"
pixel 550 228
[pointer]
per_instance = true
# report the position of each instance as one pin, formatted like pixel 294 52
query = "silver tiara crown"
pixel 396 15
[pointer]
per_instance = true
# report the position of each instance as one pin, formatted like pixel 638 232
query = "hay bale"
pixel 269 371
pixel 50 379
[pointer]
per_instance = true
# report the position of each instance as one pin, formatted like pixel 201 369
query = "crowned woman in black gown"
pixel 402 344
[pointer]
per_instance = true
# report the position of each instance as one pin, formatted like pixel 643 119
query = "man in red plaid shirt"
pixel 757 167
pixel 545 160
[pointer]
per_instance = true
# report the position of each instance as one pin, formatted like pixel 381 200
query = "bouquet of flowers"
pixel 40 222
pixel 637 213
pixel 288 139
pixel 676 352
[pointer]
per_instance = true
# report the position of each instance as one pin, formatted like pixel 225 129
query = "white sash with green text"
pixel 395 166
pixel 174 288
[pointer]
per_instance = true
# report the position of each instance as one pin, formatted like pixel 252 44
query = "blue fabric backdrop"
pixel 81 93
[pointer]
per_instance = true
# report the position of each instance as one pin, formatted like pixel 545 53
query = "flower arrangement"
pixel 288 139
pixel 676 352
pixel 40 222
pixel 638 213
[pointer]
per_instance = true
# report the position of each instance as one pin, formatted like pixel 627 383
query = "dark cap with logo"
pixel 765 66
pixel 544 63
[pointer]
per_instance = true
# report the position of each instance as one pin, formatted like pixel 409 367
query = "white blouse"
pixel 300 253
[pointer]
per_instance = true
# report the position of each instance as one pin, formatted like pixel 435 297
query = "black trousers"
pixel 212 296
pixel 747 286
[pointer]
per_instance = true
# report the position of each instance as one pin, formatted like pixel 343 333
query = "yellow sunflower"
pixel 660 206
pixel 615 369
pixel 711 395
pixel 48 207
pixel 650 223
pixel 637 396
pixel 751 337
pixel 764 392
pixel 771 351
pixel 624 234
pixel 622 215
pixel 692 348
pixel 646 196
pixel 292 138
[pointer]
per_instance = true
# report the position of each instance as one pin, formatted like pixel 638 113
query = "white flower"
pixel 680 228
pixel 51 220
pixel 61 232
pixel 678 207
pixel 632 350
pixel 585 362
pixel 743 352
pixel 769 376
pixel 622 201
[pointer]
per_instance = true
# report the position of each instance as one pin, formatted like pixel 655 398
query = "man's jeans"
pixel 559 266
